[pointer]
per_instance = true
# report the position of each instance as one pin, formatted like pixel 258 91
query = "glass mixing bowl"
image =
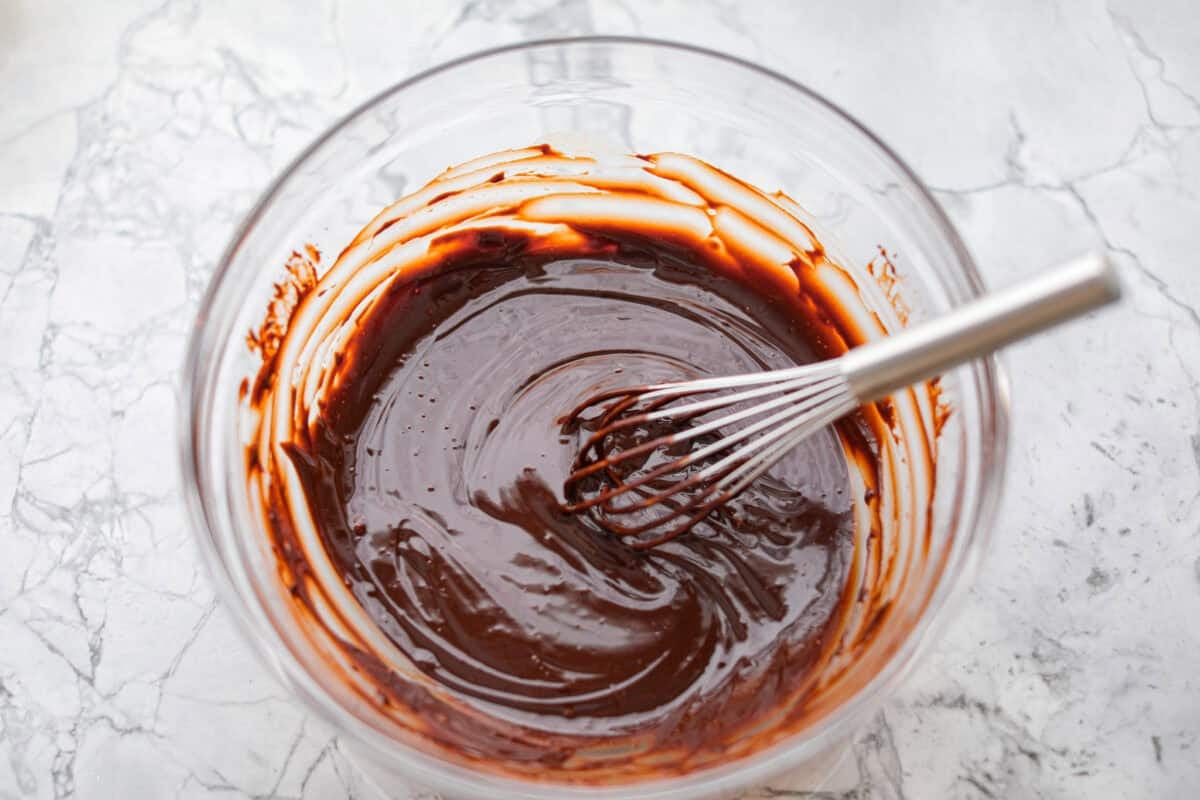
pixel 633 96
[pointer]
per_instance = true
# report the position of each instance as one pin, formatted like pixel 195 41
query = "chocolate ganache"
pixel 409 462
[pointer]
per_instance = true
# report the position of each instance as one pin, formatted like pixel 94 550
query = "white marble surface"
pixel 134 134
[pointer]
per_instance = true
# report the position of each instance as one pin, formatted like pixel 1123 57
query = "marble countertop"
pixel 133 136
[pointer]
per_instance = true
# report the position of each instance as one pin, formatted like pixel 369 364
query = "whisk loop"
pixel 747 440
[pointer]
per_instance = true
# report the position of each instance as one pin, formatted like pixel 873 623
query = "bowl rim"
pixel 993 389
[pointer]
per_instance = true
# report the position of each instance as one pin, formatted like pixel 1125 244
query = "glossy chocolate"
pixel 416 448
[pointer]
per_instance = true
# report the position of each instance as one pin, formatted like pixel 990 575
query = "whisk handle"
pixel 980 327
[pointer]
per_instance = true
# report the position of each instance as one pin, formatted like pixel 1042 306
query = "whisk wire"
pixel 794 391
pixel 742 454
pixel 727 478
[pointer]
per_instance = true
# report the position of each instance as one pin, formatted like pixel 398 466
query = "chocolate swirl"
pixel 408 461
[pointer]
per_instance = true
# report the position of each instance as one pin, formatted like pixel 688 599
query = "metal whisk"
pixel 660 458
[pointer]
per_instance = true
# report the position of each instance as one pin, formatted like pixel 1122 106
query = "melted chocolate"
pixel 416 446
pixel 435 477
